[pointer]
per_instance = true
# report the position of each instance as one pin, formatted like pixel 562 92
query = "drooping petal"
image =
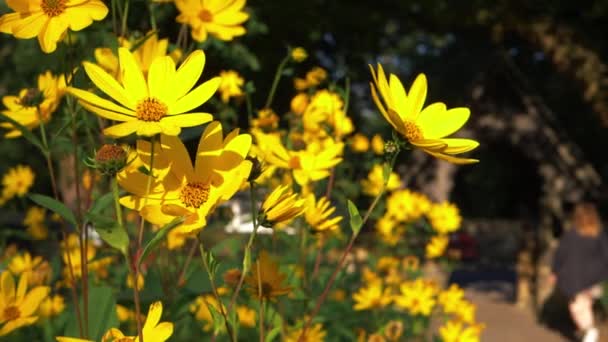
pixel 435 145
pixel 456 146
pixel 452 159
pixel 24 28
pixel 148 128
pixel 436 122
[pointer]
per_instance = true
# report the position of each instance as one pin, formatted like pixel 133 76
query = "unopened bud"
pixel 110 159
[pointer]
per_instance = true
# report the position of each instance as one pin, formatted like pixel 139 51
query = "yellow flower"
pixel 374 183
pixel 222 19
pixel 140 281
pixel 267 119
pixel 307 165
pixel 281 206
pixel 386 263
pixel 52 306
pixel 181 188
pixel 18 305
pixel 265 279
pixel 50 19
pixel 246 316
pixel 33 104
pixel 124 314
pixel 34 221
pixel 144 55
pixel 371 297
pixel 359 143
pixel 410 263
pixel 24 263
pixel 455 331
pixel 465 311
pixel 389 230
pixel 17 181
pixel 326 108
pixel 444 217
pixel 153 104
pixel 152 331
pixel 417 297
pixel 313 78
pixel 299 55
pixel 451 298
pixel 318 214
pixel 231 85
pixel 201 311
pixel 424 128
pixel 315 333
pixel 407 206
pixel 299 103
pixel 393 330
pixel 378 144
pixel 436 246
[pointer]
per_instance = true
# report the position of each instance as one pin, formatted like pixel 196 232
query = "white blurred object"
pixel 241 222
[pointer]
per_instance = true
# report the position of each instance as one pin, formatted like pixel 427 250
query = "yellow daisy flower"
pixel 17 181
pixel 359 143
pixel 456 331
pixel 451 298
pixel 444 217
pixel 246 315
pixel 24 263
pixel 373 296
pixel 35 222
pixel 407 206
pixel 52 306
pixel 378 144
pixel 424 128
pixel 153 104
pixel 417 297
pixel 33 104
pixel 281 206
pixel 299 54
pixel 231 85
pixel 201 311
pixel 222 19
pixel 50 19
pixel 315 333
pixel 318 214
pixel 270 278
pixel 184 189
pixel 375 181
pixel 436 246
pixel 299 103
pixel 18 305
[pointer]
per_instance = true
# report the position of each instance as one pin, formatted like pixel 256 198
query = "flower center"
pixel 53 8
pixel 150 109
pixel 195 194
pixel 412 131
pixel 11 313
pixel 294 163
pixel 206 15
pixel 32 98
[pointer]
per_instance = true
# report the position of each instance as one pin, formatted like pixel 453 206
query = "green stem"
pixel 214 288
pixel 275 82
pixel 347 250
pixel 125 15
pixel 152 15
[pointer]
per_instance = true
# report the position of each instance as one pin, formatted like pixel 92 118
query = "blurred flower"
pixel 465 311
pixel 298 54
pixel 52 306
pixel 33 104
pixel 222 19
pixel 373 296
pixel 232 277
pixel 201 311
pixel 181 188
pixel 444 217
pixel 423 128
pixel 407 206
pixel 313 78
pixel 389 230
pixel 71 255
pixel 359 143
pixel 318 214
pixel 50 19
pixel 455 331
pixel 378 144
pixel 376 338
pixel 370 277
pixel 386 263
pixel 299 103
pixel 436 246
pixel 140 281
pixel 267 120
pixel 393 330
pixel 124 313
pixel 338 295
pixel 246 316
pixel 39 270
pixel 451 298
pixel 18 305
pixel 231 85
pixel 315 333
pixel 153 104
pixel 265 279
pixel 281 206
pixel 417 297
pixel 374 183
pixel 410 263
pixel 34 220
pixel 17 182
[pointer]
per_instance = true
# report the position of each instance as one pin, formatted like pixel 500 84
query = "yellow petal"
pixel 452 159
pixel 188 74
pixel 177 152
pixel 196 97
pixel 399 96
pixel 436 122
pixel 51 33
pixel 83 15
pixel 163 331
pixel 16 324
pixel 20 27
pixel 33 299
pixel 132 76
pixel 160 75
pixel 99 102
pixel 416 98
pixel 434 145
pixel 109 85
pixel 456 146
pixel 7 286
pixel 154 313
pixel 188 120
pixel 22 287
pixel 122 129
pixel 106 113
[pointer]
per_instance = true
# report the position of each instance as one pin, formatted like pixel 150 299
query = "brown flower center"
pixel 294 163
pixel 11 313
pixel 206 15
pixel 150 109
pixel 412 131
pixel 195 194
pixel 53 8
pixel 32 98
pixel 109 152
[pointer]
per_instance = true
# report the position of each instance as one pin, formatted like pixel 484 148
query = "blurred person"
pixel 580 265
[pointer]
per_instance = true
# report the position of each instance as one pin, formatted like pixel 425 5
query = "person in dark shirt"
pixel 580 265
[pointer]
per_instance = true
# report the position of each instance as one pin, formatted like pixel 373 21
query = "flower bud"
pixel 110 159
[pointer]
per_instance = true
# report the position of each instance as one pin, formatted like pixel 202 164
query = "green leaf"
pixel 212 262
pixel 218 319
pixel 27 134
pixel 110 231
pixel 355 218
pixel 101 203
pixel 102 313
pixel 54 206
pixel 247 260
pixel 272 334
pixel 233 319
pixel 158 238
pixel 386 173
